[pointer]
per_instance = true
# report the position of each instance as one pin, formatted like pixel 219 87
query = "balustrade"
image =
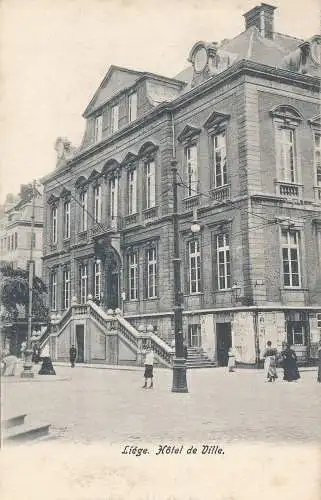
pixel 221 193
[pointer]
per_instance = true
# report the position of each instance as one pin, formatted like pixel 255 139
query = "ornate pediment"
pixel 315 121
pixel 129 159
pixel 288 114
pixel 53 199
pixel 216 120
pixel 188 133
pixel 80 182
pixel 94 175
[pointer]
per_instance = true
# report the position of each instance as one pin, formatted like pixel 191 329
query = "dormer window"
pixel 98 128
pixel 114 118
pixel 132 107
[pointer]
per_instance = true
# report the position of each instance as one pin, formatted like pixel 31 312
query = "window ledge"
pixel 193 294
pixel 221 193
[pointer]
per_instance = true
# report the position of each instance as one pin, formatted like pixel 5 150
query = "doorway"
pixel 112 266
pixel 194 335
pixel 224 342
pixel 80 343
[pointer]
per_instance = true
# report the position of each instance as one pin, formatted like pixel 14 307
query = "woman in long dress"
pixel 289 364
pixel 270 356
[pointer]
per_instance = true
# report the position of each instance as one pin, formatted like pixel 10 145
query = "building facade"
pixel 242 121
pixel 15 230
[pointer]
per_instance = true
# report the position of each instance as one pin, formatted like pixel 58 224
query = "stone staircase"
pixel 198 359
pixel 19 429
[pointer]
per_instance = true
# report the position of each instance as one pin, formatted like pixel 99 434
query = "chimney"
pixel 262 17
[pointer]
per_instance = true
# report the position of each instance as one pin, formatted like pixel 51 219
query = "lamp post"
pixel 179 362
pixel 27 367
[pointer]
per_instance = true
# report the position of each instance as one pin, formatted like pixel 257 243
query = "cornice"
pixel 241 68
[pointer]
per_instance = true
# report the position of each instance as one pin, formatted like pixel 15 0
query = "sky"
pixel 55 53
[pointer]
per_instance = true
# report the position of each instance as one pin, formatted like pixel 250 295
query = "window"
pixel 83 283
pixel 151 273
pixel 84 211
pixel 97 204
pixel 219 159
pixel 133 275
pixel 317 157
pixel 33 240
pixel 194 335
pixel 97 280
pixel 296 333
pixel 114 119
pixel 113 191
pixel 150 184
pixel 53 291
pixel 67 219
pixel 132 189
pixel 98 128
pixel 290 257
pixel 132 107
pixel 286 153
pixel 66 289
pixel 54 221
pixel 319 320
pixel 223 261
pixel 12 241
pixel 194 258
pixel 192 170
pixel 15 240
pixel 8 241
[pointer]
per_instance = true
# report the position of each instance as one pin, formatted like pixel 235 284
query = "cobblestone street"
pixel 269 435
pixel 89 405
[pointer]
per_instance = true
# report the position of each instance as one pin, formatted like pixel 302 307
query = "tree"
pixel 14 298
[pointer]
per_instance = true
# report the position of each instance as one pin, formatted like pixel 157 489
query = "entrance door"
pixel 224 342
pixel 80 343
pixel 194 335
pixel 112 290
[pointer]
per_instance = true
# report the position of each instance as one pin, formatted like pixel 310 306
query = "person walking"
pixel 72 355
pixel 289 364
pixel 319 363
pixel 231 360
pixel 149 364
pixel 270 355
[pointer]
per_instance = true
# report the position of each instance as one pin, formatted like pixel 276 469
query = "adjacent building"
pixel 15 229
pixel 242 121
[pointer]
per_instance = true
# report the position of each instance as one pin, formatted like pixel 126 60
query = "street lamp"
pixel 179 362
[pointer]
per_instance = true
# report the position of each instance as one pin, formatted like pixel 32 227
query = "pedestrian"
pixel 319 365
pixel 270 355
pixel 289 364
pixel 231 360
pixel 72 355
pixel 149 363
pixel 10 365
pixel 185 350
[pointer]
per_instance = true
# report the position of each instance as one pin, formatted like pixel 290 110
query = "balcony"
pixel 317 193
pixel 191 201
pixel 130 219
pixel 221 193
pixel 150 213
pixel 289 190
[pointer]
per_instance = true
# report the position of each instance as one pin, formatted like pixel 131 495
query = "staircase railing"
pixel 138 340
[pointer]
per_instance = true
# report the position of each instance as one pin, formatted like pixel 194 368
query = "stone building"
pixel 243 123
pixel 15 229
